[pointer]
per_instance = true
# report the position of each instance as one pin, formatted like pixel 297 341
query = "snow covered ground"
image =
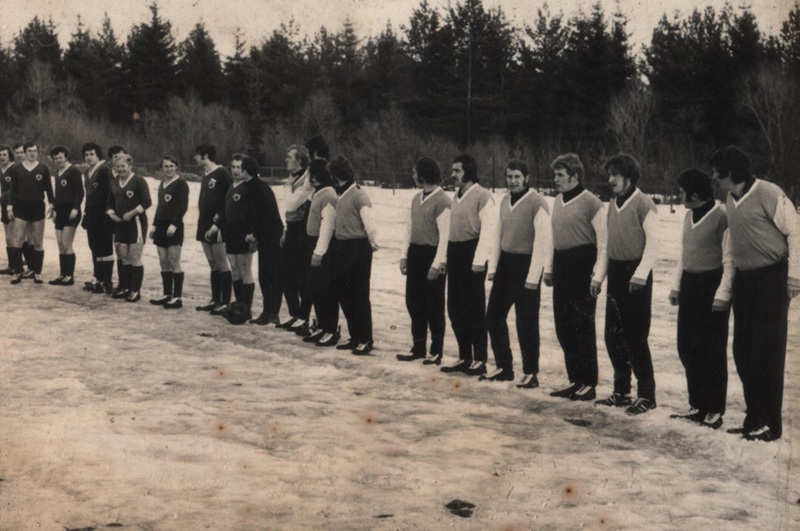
pixel 131 415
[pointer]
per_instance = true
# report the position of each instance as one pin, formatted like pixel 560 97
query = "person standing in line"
pixel 579 259
pixel 765 241
pixel 424 261
pixel 213 190
pixel 27 243
pixel 355 231
pixel 237 220
pixel 268 229
pixel 99 227
pixel 294 262
pixel 6 169
pixel 167 233
pixel 631 257
pixel 318 148
pixel 517 265
pixel 128 202
pixel 67 213
pixel 473 231
pixel 30 184
pixel 702 292
pixel 320 227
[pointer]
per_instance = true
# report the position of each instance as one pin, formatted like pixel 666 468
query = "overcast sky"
pixel 257 18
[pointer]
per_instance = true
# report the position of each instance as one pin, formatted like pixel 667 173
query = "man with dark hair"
pixel 6 168
pixel 473 229
pixel 318 148
pixel 213 189
pixel 631 257
pixel 68 198
pixel 424 261
pixel 702 287
pixel 765 241
pixel 128 201
pixel 99 227
pixel 294 260
pixel 27 243
pixel 579 260
pixel 521 254
pixel 268 229
pixel 30 183
pixel 237 220
pixel 355 233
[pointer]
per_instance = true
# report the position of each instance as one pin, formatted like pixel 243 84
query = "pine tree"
pixel 199 68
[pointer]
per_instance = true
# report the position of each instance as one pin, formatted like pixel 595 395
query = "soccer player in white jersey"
pixel 765 241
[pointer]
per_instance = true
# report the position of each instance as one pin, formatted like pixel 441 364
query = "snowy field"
pixel 118 415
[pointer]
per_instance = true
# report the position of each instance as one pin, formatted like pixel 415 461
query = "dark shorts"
pixel 29 211
pixel 99 232
pixel 62 217
pixel 160 237
pixel 133 231
pixel 235 242
pixel 202 227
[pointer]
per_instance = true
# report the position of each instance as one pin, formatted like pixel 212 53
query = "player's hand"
pixel 720 306
pixel 490 277
pixel 434 273
pixel 50 212
pixel 634 285
pixel 548 280
pixel 283 238
pixel 127 216
pixel 114 217
pixel 210 233
pixel 595 289
pixel 531 285
pixel 403 266
pixel 171 230
pixel 250 239
pixel 375 246
pixel 10 213
pixel 792 292
pixel 316 260
pixel 478 268
pixel 73 214
pixel 674 297
pixel 153 234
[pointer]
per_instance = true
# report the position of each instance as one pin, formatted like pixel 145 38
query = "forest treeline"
pixel 450 79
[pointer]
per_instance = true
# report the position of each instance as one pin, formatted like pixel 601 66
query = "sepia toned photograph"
pixel 408 264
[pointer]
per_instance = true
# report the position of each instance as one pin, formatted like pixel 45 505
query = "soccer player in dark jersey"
pixel 127 205
pixel 167 233
pixel 27 244
pixel 237 220
pixel 765 240
pixel 99 227
pixel 6 168
pixel 213 189
pixel 68 199
pixel 30 183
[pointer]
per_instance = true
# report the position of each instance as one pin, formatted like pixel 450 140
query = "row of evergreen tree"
pixel 451 78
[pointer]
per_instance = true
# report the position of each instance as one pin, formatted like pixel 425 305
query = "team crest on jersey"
pixel 63 182
pixel 236 197
pixel 167 198
pixel 94 185
pixel 38 176
pixel 212 183
pixel 8 178
pixel 129 193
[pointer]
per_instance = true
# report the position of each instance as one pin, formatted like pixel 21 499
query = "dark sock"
pixel 216 296
pixel 225 282
pixel 70 263
pixel 138 276
pixel 97 269
pixel 27 253
pixel 120 273
pixel 38 260
pixel 107 272
pixel 166 282
pixel 9 252
pixel 248 290
pixel 237 289
pixel 15 257
pixel 124 275
pixel 62 264
pixel 177 290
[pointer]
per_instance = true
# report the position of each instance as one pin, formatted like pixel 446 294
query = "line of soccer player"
pixel 745 253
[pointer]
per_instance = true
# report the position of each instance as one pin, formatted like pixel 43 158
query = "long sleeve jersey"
pixel 132 194
pixel 30 185
pixel 173 201
pixel 631 233
pixel 429 224
pixel 267 222
pixel 213 189
pixel 297 196
pixel 473 216
pixel 580 221
pixel 354 215
pixel 69 187
pixel 98 185
pixel 322 218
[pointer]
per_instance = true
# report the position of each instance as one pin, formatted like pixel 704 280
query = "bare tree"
pixel 40 84
pixel 629 116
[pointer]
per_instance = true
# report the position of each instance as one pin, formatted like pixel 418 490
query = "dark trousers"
pixel 509 290
pixel 323 290
pixel 466 301
pixel 269 277
pixel 703 341
pixel 627 329
pixel 294 270
pixel 424 300
pixel 760 313
pixel 353 266
pixel 574 312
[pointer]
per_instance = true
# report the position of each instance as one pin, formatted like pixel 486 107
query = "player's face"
pixel 618 183
pixel 417 180
pixel 458 173
pixel 515 181
pixel 169 168
pixel 563 181
pixel 198 159
pixel 5 157
pixel 19 154
pixel 61 160
pixel 116 157
pixel 32 154
pixel 292 164
pixel 725 182
pixel 91 158
pixel 236 170
pixel 122 168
